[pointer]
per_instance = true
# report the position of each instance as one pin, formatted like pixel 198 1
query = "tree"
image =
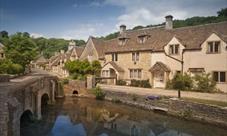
pixel 96 68
pixel 4 34
pixel 222 12
pixel 21 49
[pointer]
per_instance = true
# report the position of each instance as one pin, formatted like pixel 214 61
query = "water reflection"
pixel 85 117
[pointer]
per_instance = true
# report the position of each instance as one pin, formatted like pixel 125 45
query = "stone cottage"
pixel 158 53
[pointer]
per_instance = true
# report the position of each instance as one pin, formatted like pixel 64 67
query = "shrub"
pixel 204 83
pixel 140 83
pixel 65 81
pixel 8 67
pixel 180 82
pixel 145 84
pixel 99 94
pixel 121 82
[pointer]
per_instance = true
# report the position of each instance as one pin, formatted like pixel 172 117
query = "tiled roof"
pixel 159 66
pixel 115 66
pixel 1 45
pixel 99 46
pixel 191 37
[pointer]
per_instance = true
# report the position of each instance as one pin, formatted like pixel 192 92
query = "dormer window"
pixel 213 47
pixel 122 41
pixel 142 39
pixel 174 49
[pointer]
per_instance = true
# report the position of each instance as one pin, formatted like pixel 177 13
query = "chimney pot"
pixel 122 28
pixel 169 22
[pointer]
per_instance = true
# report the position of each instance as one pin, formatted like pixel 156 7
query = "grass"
pixel 210 102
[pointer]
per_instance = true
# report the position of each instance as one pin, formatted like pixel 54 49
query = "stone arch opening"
pixel 44 103
pixel 25 120
pixel 75 92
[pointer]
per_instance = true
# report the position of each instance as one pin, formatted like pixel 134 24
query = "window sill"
pixel 221 83
pixel 213 53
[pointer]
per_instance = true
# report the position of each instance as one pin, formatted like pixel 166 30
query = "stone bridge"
pixel 24 95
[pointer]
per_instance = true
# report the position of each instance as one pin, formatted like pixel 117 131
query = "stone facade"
pixel 2 54
pixel 193 50
pixel 19 97
pixel 57 62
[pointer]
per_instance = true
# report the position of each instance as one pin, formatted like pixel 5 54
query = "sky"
pixel 79 19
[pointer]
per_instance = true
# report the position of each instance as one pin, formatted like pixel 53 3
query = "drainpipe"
pixel 181 61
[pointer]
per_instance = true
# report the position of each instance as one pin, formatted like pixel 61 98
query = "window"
pixel 142 39
pixel 213 47
pixel 135 56
pixel 122 41
pixel 105 73
pixel 135 73
pixel 174 49
pixel 219 76
pixel 2 55
pixel 114 57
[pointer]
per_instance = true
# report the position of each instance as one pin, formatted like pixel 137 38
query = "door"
pixel 159 79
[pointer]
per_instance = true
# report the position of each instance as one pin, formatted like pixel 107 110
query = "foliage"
pixel 65 81
pixel 79 69
pixel 140 83
pixel 20 49
pixel 99 94
pixel 204 83
pixel 180 82
pixel 8 67
pixel 121 82
pixel 222 12
pixel 96 68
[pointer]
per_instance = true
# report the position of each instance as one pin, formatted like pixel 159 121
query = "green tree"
pixel 20 49
pixel 205 83
pixel 222 12
pixel 96 68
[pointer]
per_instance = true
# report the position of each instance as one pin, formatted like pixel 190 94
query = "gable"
pixel 89 51
pixel 211 38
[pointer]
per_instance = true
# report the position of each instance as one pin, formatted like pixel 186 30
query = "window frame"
pixel 211 47
pixel 135 56
pixel 135 73
pixel 114 56
pixel 218 77
pixel 174 49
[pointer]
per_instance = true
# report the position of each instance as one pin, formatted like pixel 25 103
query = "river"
pixel 88 117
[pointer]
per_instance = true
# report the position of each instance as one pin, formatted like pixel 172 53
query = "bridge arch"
pixel 25 118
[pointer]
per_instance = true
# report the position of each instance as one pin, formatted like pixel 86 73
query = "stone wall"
pixel 73 86
pixel 4 78
pixel 179 108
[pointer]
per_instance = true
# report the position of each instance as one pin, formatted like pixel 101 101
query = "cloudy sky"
pixel 78 19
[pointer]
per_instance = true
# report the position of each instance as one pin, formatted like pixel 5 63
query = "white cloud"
pixel 85 30
pixel 146 12
pixel 36 35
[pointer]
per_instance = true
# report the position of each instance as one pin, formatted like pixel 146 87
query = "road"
pixel 171 93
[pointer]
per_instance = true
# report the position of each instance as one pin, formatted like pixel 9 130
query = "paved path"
pixel 171 93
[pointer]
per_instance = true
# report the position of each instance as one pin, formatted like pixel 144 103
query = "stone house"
pixel 2 54
pixel 94 50
pixel 158 53
pixel 57 62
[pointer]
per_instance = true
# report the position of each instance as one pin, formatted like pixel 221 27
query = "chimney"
pixel 122 28
pixel 169 22
pixel 71 45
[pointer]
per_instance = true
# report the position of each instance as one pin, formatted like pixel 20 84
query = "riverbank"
pixel 180 108
pixel 172 106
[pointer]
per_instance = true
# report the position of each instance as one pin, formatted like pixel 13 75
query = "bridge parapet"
pixel 25 94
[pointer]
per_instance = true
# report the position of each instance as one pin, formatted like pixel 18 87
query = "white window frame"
pixel 135 73
pixel 212 50
pixel 173 50
pixel 219 76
